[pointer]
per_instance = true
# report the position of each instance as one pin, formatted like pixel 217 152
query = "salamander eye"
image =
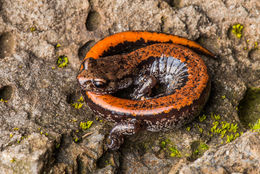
pixel 99 83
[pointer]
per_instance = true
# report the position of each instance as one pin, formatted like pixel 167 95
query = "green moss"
pixel 223 133
pixel 100 120
pixel 107 163
pixel 168 141
pixel 62 61
pixel 202 117
pixel 12 160
pixel 58 45
pixel 170 148
pixel 237 135
pixel 163 144
pixel 223 129
pixel 2 100
pixel 85 125
pixel 256 126
pixel 233 128
pixel 237 30
pixel 230 138
pixel 81 99
pixel 200 129
pixel 203 146
pixel 214 127
pixel 32 29
pixel 77 105
pixel 57 146
pixel 174 152
pixel 215 116
pixel 225 125
pixel 198 148
pixel 76 139
pixel 188 128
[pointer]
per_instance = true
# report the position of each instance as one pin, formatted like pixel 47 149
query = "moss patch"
pixel 237 30
pixel 249 107
pixel 79 104
pixel 255 127
pixel 62 61
pixel 85 125
pixel 215 126
pixel 198 148
pixel 170 148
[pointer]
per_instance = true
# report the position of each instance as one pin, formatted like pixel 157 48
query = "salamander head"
pixel 100 76
pixel 92 78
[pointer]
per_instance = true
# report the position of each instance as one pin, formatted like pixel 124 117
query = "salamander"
pixel 144 80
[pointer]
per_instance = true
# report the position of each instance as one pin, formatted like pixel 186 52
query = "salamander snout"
pixel 89 83
pixel 83 82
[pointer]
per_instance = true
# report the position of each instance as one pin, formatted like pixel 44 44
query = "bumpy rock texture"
pixel 242 155
pixel 40 128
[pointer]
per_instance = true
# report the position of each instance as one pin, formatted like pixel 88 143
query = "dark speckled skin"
pixel 148 62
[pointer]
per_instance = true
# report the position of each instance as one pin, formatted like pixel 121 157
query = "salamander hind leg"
pixel 116 135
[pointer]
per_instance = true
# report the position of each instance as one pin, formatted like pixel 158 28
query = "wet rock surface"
pixel 43 120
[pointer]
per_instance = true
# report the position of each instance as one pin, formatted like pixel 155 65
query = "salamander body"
pixel 144 80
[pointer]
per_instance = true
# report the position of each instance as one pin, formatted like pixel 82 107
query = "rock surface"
pixel 29 156
pixel 240 156
pixel 41 128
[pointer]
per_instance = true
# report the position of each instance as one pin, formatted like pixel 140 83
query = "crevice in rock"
pixel 79 165
pixel 7 45
pixel 1 4
pixel 173 3
pixel 91 3
pixel 162 23
pixel 85 48
pixel 170 2
pixel 6 92
pixel 93 20
pixel 71 98
pixel 108 158
pixel 254 54
pixel 248 109
pixel 59 153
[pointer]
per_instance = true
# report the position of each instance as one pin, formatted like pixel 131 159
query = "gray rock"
pixel 40 129
pixel 32 155
pixel 240 156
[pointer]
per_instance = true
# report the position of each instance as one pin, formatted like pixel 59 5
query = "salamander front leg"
pixel 144 87
pixel 116 135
